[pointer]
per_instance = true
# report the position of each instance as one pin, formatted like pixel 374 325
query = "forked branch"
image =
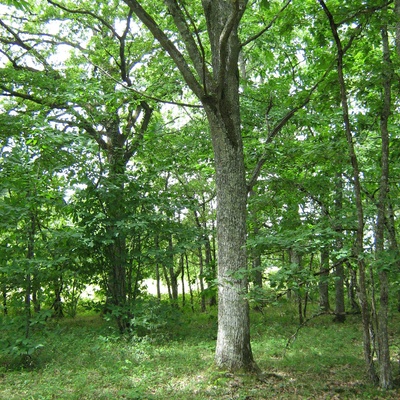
pixel 168 46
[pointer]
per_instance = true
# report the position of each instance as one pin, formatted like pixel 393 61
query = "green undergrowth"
pixel 85 358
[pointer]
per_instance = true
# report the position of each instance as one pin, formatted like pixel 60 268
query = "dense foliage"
pixel 107 166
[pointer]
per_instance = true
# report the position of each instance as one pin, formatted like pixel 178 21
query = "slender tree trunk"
pixel 289 290
pixel 189 283
pixel 359 244
pixel 394 247
pixel 158 281
pixel 130 286
pixel 135 277
pixel 168 282
pixel 28 278
pixel 57 304
pixel 206 266
pixel 353 289
pixel 173 276
pixel 256 276
pixel 340 311
pixel 201 281
pixel 385 373
pixel 27 303
pixel 324 281
pixel 295 259
pixel 158 276
pixel 4 298
pixel 35 292
pixel 210 265
pixel 397 13
pixel 182 267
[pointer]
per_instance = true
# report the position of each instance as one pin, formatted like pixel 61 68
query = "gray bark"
pixel 219 93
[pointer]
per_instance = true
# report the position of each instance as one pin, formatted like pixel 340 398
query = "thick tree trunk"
pixel 233 342
pixel 114 203
pixel 219 93
pixel 233 350
pixel 117 294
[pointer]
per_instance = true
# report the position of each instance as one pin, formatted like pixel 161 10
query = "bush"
pixel 18 343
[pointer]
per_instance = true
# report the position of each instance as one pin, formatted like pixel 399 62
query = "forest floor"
pixel 85 358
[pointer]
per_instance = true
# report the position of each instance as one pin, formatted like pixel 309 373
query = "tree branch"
pixel 196 55
pixel 257 35
pixel 21 43
pixel 80 123
pixel 233 20
pixel 85 12
pixel 144 95
pixel 143 127
pixel 284 120
pixel 46 102
pixel 122 39
pixel 168 46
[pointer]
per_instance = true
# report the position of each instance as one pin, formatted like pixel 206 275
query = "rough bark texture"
pixel 114 203
pixel 218 90
pixel 233 344
pixel 233 350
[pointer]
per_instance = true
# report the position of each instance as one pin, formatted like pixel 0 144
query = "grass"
pixel 84 358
